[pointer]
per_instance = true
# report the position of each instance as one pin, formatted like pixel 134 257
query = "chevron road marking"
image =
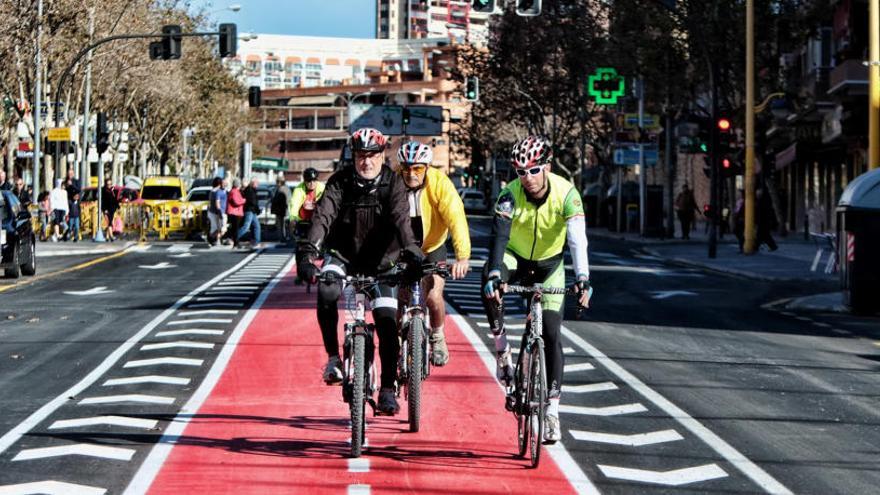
pixel 675 477
pixel 635 440
pixel 112 399
pixel 189 331
pixel 585 389
pixel 603 411
pixel 163 360
pixel 180 344
pixel 145 424
pixel 136 380
pixel 50 487
pixel 84 449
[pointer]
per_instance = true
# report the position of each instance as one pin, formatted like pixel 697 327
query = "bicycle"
pixel 359 372
pixel 300 235
pixel 413 365
pixel 527 397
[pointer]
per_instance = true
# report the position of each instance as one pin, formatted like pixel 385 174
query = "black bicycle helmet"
pixel 310 174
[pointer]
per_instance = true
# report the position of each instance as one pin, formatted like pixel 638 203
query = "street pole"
pixel 874 84
pixel 38 100
pixel 642 168
pixel 750 244
pixel 84 166
pixel 99 217
pixel 713 162
pixel 619 197
pixel 670 176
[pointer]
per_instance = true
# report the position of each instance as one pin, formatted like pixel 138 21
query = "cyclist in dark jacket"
pixel 361 223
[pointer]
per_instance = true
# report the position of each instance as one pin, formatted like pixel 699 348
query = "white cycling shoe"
pixel 552 430
pixel 333 371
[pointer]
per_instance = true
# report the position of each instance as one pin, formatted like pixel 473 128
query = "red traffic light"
pixel 725 163
pixel 723 124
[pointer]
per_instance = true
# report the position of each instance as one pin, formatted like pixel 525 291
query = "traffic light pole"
pixel 642 166
pixel 750 245
pixel 713 161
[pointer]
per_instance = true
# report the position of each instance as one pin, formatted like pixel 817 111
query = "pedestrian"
pixel 251 214
pixel 279 209
pixel 4 184
pixel 45 213
pixel 59 206
pixel 235 210
pixel 21 192
pixel 109 205
pixel 686 207
pixel 739 219
pixel 73 184
pixel 765 220
pixel 75 211
pixel 216 211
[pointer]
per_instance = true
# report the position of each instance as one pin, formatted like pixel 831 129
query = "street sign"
pixel 59 134
pixel 650 122
pixel 388 119
pixel 605 86
pixel 629 155
pixel 425 120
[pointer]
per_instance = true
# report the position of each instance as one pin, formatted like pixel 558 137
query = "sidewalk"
pixel 46 249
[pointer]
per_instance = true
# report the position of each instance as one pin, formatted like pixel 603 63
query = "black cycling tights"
pixel 386 327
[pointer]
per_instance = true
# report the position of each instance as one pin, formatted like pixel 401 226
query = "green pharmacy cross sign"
pixel 605 86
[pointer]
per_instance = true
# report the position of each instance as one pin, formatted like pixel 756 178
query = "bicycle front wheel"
pixel 358 420
pixel 521 401
pixel 414 363
pixel 537 401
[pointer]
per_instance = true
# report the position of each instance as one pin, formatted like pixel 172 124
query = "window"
pixel 161 192
pixel 253 67
pixel 301 123
pixel 327 122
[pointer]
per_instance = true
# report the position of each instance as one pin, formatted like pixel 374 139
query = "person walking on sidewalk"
pixel 686 207
pixel 58 204
pixel 235 210
pixel 251 213
pixel 279 209
pixel 216 211
pixel 766 220
pixel 109 205
pixel 74 215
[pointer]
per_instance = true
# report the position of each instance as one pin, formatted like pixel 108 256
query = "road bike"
pixel 413 365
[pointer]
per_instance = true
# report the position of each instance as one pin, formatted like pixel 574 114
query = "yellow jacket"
pixel 298 197
pixel 442 212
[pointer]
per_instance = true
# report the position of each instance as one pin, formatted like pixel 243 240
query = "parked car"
pixel 17 240
pixel 473 199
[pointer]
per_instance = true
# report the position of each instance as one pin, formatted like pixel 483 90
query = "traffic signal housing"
pixel 157 50
pixel 405 116
pixel 255 96
pixel 171 42
pixel 472 88
pixel 528 8
pixel 483 6
pixel 102 133
pixel 228 42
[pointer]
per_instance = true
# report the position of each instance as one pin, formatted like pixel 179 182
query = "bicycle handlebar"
pixel 521 289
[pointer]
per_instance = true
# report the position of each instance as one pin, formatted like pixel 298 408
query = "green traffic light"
pixel 704 148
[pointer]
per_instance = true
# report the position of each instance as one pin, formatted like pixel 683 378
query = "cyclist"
pixel 361 223
pixel 303 201
pixel 534 216
pixel 435 209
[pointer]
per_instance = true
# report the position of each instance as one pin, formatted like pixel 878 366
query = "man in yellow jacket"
pixel 303 201
pixel 436 211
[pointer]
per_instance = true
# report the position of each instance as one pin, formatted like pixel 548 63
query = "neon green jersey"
pixel 538 229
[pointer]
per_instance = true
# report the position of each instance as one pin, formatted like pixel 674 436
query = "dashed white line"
pixel 603 411
pixel 180 344
pixel 189 331
pixel 139 398
pixel 585 389
pixel 571 368
pixel 216 305
pixel 358 489
pixel 83 449
pixel 359 465
pixel 139 363
pixel 198 320
pixel 137 380
pixel 208 312
pixel 122 421
pixel 223 298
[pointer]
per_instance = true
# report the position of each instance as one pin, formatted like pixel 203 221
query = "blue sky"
pixel 339 18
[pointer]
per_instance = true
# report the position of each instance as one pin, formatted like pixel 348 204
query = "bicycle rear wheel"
pixel 520 407
pixel 414 363
pixel 537 399
pixel 358 420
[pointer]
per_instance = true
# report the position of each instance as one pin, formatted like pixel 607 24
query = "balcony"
pixel 850 78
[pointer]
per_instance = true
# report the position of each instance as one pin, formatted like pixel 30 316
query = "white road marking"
pixel 189 331
pixel 821 324
pixel 142 480
pixel 140 247
pixel 84 449
pixel 635 440
pixel 359 465
pixel 182 255
pixel 358 490
pixel 585 389
pixel 675 477
pixel 180 247
pixel 136 380
pixel 94 291
pixel 180 344
pixel 569 467
pixel 234 287
pixel 510 336
pixel 666 294
pixel 571 368
pixel 139 363
pixel 509 326
pixel 139 398
pixel 199 320
pixel 216 305
pixel 565 350
pixel 224 297
pixel 43 412
pixel 603 411
pixel 208 312
pixel 123 421
pixel 237 293
pixel 602 254
pixel 158 266
pixel 747 467
pixel 247 285
pixel 50 487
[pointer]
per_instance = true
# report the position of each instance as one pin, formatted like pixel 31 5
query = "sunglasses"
pixel 416 167
pixel 530 171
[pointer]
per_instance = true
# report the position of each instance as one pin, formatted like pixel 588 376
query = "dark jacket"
pixel 24 197
pixel 367 226
pixel 73 187
pixel 108 200
pixel 6 186
pixel 250 200
pixel 74 209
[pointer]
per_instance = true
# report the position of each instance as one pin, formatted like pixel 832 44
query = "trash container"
pixel 858 241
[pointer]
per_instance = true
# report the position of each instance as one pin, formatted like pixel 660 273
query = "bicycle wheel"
pixel 357 394
pixel 416 338
pixel 537 399
pixel 520 407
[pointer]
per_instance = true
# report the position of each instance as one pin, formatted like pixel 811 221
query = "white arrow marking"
pixel 180 344
pixel 592 387
pixel 163 360
pixel 143 399
pixel 209 312
pixel 675 477
pixel 91 292
pixel 50 488
pixel 570 368
pixel 216 305
pixel 158 266
pixel 84 449
pixel 145 424
pixel 137 380
pixel 666 294
pixel 603 411
pixel 181 255
pixel 199 320
pixel 636 440
pixel 189 331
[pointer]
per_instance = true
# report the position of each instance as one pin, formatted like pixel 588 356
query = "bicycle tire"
pixel 521 402
pixel 356 406
pixel 415 357
pixel 537 401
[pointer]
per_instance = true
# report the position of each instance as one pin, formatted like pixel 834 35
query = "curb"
pixel 725 271
pixel 78 252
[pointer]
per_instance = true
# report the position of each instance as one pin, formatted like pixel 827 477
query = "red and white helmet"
pixel 368 139
pixel 531 151
pixel 415 152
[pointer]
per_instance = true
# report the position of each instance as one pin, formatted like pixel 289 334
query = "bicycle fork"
pixel 359 329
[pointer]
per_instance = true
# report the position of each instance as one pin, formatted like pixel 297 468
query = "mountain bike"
pixel 414 365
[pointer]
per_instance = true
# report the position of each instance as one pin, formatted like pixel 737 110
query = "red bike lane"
pixel 270 425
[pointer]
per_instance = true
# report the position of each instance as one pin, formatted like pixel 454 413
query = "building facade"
pixel 416 19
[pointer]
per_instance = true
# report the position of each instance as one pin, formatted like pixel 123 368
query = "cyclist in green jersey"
pixel 534 217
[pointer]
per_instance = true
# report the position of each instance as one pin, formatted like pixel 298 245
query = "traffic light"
pixel 484 6
pixel 171 42
pixel 528 8
pixel 724 125
pixel 102 133
pixel 472 88
pixel 255 96
pixel 228 40
pixel 157 50
pixel 405 116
